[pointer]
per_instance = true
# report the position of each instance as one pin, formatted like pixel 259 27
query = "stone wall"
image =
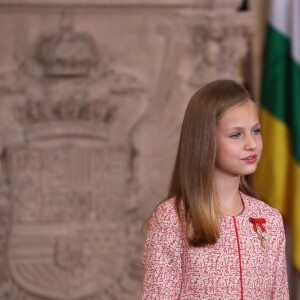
pixel 92 96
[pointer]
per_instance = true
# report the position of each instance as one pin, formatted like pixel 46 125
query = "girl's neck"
pixel 228 195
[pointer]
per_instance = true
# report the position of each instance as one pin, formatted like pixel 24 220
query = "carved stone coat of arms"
pixel 70 177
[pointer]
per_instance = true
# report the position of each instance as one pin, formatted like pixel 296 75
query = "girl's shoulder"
pixel 166 209
pixel 166 214
pixel 260 209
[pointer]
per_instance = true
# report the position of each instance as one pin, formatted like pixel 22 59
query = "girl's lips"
pixel 251 158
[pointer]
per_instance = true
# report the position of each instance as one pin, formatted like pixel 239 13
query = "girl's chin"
pixel 250 172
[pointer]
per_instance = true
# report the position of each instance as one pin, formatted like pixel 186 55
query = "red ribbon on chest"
pixel 258 222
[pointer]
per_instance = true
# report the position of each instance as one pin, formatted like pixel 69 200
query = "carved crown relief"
pixel 67 53
pixel 46 119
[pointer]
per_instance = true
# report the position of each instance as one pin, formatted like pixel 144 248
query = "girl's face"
pixel 238 140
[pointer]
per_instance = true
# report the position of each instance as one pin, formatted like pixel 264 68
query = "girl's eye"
pixel 256 131
pixel 235 135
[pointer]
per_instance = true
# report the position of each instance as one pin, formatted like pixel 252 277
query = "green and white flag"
pixel 278 176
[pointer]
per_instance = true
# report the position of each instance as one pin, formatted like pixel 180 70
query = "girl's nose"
pixel 250 143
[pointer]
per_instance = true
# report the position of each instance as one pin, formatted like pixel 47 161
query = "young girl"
pixel 211 239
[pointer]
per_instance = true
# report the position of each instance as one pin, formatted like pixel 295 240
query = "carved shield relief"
pixel 68 236
pixel 70 176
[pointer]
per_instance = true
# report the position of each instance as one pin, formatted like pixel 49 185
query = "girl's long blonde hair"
pixel 192 179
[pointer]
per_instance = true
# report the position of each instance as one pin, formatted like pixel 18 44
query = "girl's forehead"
pixel 243 109
pixel 244 113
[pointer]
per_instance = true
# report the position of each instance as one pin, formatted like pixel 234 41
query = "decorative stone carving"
pixel 67 176
pixel 5 224
pixel 90 118
pixel 67 53
pixel 214 55
pixel 51 119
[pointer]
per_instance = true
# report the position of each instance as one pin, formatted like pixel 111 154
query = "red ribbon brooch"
pixel 259 229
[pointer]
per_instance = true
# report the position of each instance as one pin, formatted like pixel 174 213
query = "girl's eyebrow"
pixel 241 127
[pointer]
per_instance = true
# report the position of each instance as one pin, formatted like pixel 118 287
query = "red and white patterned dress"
pixel 236 267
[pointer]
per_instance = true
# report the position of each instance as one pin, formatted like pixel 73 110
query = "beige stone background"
pixel 92 95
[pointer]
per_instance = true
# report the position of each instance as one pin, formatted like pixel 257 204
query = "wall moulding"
pixel 203 4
